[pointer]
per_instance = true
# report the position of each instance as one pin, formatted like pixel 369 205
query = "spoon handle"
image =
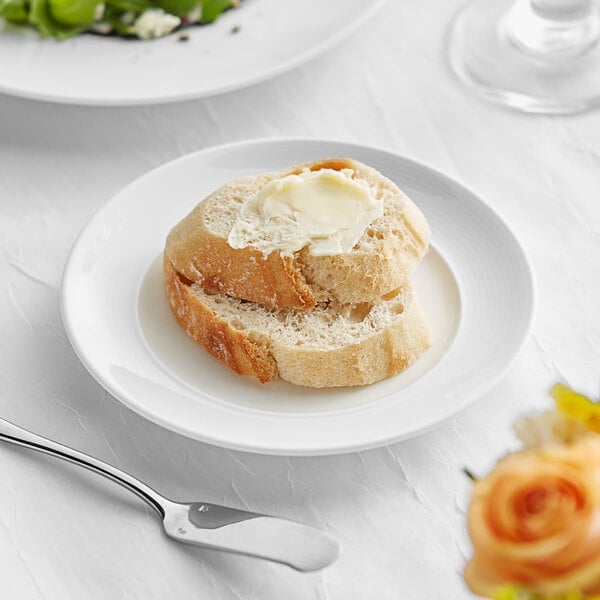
pixel 21 437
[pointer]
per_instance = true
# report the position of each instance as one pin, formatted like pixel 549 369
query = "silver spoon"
pixel 200 523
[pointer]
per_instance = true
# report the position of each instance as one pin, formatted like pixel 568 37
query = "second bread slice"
pixel 331 345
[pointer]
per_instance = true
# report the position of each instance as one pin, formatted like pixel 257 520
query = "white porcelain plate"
pixel 258 40
pixel 475 284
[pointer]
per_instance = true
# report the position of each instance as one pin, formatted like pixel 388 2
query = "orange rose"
pixel 535 522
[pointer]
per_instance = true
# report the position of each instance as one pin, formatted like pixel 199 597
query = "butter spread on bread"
pixel 326 211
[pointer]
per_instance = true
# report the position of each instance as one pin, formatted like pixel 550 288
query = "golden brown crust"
pixel 301 280
pixel 207 259
pixel 233 348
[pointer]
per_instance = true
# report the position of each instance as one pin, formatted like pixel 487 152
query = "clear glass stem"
pixel 538 56
pixel 553 27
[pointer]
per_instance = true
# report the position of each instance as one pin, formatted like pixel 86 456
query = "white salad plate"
pixel 475 284
pixel 246 45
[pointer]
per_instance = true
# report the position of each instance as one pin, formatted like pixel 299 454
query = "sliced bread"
pixel 331 345
pixel 378 264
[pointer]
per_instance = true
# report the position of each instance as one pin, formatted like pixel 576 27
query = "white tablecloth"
pixel 398 511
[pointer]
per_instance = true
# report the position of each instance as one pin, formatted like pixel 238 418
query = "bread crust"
pixel 301 280
pixel 209 260
pixel 249 352
pixel 233 348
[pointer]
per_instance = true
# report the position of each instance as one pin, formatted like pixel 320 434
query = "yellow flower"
pixel 577 406
pixel 512 592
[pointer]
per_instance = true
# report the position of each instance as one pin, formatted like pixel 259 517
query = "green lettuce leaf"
pixel 211 9
pixel 135 6
pixel 15 11
pixel 78 13
pixel 41 17
pixel 179 8
pixel 112 16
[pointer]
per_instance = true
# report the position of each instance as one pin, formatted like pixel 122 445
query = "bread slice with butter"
pixel 330 345
pixel 378 262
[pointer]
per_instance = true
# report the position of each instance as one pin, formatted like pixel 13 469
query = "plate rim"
pixel 242 83
pixel 476 393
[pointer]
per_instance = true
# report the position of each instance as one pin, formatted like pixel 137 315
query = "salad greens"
pixel 137 18
pixel 14 11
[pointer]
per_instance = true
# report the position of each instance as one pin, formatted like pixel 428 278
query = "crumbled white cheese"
pixel 101 27
pixel 154 23
pixel 128 17
pixel 99 12
pixel 195 14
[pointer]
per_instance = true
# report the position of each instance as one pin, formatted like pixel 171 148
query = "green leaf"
pixel 15 11
pixel 211 9
pixel 78 13
pixel 40 16
pixel 469 474
pixel 179 8
pixel 135 6
pixel 112 16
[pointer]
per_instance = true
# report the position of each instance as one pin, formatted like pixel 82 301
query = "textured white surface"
pixel 398 511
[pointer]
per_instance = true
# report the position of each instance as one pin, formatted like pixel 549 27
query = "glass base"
pixel 484 55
